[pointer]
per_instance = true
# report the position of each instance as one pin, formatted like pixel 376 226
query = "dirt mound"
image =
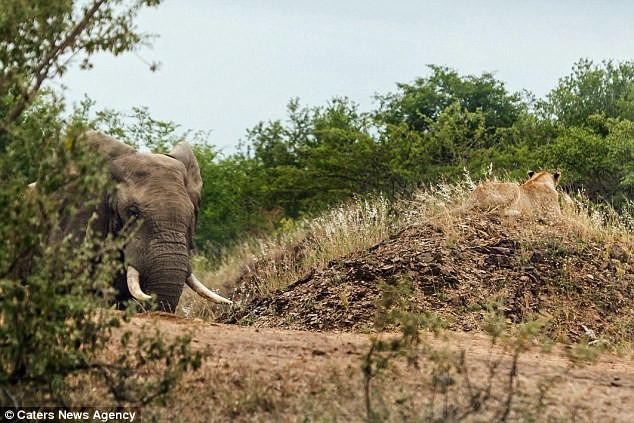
pixel 459 272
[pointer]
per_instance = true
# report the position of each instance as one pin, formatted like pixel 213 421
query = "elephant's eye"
pixel 134 212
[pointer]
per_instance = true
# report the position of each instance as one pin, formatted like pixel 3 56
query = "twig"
pixel 512 376
pixel 42 70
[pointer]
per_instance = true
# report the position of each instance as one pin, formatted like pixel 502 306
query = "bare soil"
pixel 308 352
pixel 273 374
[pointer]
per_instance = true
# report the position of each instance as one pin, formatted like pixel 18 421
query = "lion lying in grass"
pixel 536 197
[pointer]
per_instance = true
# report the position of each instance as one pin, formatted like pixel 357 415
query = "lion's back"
pixel 494 196
pixel 536 197
pixel 539 198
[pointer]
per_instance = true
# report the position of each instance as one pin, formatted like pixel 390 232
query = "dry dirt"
pixel 583 287
pixel 272 374
pixel 298 353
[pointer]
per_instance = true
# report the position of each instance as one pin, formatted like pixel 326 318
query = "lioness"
pixel 535 197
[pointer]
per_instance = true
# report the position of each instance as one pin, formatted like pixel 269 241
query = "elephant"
pixel 160 194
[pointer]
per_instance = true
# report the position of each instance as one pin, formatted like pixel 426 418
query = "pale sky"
pixel 228 64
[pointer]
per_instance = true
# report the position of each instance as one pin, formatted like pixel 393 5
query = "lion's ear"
pixel 530 173
pixel 556 176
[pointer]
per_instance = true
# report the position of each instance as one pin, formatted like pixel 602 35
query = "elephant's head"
pixel 157 199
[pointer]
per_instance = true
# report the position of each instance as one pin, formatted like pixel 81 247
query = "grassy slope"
pixel 574 274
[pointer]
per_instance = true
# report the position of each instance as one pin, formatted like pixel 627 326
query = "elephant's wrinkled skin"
pixel 162 194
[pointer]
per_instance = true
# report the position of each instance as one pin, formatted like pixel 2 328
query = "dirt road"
pixel 287 375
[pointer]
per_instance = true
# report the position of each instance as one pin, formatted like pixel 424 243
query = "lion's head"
pixel 543 177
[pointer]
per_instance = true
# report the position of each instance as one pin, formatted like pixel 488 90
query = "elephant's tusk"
pixel 205 292
pixel 134 287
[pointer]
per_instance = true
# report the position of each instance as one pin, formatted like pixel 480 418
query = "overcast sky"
pixel 228 64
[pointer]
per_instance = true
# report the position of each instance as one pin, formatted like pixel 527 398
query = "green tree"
pixel 234 204
pixel 586 122
pixel 320 157
pixel 461 122
pixel 273 153
pixel 597 158
pixel 50 293
pixel 423 101
pixel 606 89
pixel 343 157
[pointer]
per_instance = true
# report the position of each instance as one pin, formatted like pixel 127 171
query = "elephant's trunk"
pixel 165 269
pixel 167 283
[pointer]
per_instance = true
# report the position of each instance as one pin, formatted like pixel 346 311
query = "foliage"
pixel 52 295
pixel 422 102
pixel 606 90
pixel 47 339
pixel 137 128
pixel 40 39
pixel 433 128
pixel 598 158
pixel 232 203
pixel 322 156
pixel 589 118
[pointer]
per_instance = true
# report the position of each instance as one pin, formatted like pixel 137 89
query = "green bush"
pixel 55 325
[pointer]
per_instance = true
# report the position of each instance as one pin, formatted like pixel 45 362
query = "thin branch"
pixel 511 380
pixel 42 70
pixel 368 374
pixel 11 397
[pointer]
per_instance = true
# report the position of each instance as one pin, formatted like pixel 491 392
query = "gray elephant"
pixel 162 192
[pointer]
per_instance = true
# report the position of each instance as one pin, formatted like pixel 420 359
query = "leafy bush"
pixel 53 295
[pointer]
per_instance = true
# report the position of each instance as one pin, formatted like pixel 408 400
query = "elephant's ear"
pixel 183 153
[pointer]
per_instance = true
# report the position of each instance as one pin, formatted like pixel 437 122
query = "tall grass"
pixel 309 244
pixel 597 221
pixel 300 247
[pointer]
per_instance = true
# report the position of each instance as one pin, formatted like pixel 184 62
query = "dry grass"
pixel 597 222
pixel 297 248
pixel 309 245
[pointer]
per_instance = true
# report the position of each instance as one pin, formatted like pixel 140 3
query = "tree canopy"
pixel 51 293
pixel 436 127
